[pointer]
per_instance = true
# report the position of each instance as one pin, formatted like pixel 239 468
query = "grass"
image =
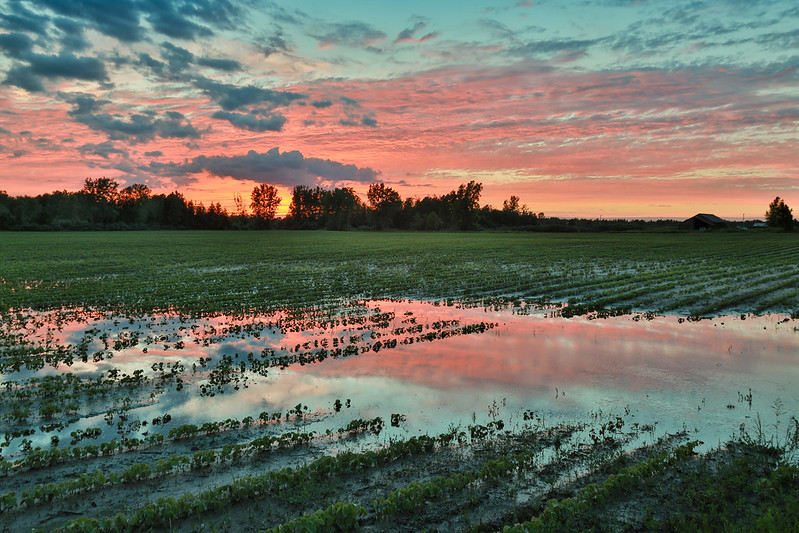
pixel 228 271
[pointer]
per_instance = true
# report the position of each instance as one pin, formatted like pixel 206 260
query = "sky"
pixel 586 108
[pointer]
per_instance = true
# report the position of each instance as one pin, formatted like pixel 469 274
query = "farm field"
pixel 402 381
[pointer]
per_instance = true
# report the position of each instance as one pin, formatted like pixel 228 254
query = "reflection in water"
pixel 437 365
pixel 663 370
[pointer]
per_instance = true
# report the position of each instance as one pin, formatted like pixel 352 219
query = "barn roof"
pixel 710 219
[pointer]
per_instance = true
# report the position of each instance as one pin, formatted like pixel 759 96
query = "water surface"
pixel 436 366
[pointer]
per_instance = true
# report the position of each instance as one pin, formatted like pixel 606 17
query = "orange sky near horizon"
pixel 582 110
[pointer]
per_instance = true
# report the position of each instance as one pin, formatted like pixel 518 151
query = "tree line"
pixel 102 205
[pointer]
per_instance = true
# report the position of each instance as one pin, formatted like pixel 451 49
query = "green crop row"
pixel 564 515
pixel 38 458
pixel 337 517
pixel 280 483
pixel 200 459
pixel 418 493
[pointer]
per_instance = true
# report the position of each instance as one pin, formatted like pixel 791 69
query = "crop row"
pixel 200 459
pixel 564 515
pixel 167 510
pixel 38 458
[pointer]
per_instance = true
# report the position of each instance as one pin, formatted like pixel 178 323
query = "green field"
pixel 682 273
pixel 108 339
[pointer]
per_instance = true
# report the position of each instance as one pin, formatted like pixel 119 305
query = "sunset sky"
pixel 587 108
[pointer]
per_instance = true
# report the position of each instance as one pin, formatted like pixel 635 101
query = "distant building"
pixel 703 221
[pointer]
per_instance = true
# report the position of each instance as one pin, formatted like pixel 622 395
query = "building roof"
pixel 710 219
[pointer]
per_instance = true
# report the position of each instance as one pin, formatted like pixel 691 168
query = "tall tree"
pixel 511 205
pixel 306 209
pixel 130 200
pixel 102 196
pixel 779 215
pixel 386 204
pixel 134 192
pixel 464 204
pixel 341 207
pixel 241 209
pixel 101 188
pixel 265 200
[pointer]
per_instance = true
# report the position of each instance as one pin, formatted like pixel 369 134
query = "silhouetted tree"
pixel 101 188
pixel 175 212
pixel 385 203
pixel 265 200
pixel 130 201
pixel 341 208
pixel 217 217
pixel 464 203
pixel 6 218
pixel 103 195
pixel 511 205
pixel 779 215
pixel 306 209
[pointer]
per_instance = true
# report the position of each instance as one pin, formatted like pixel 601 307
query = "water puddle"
pixel 422 367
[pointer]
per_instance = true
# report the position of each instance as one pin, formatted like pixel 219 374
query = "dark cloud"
pixel 146 60
pixel 168 21
pixel 364 121
pixel 319 104
pixel 120 20
pixel 175 126
pixel 154 153
pixel 231 97
pixel 281 14
pixel 352 34
pixel 16 45
pixel 408 35
pixel 138 127
pixel 84 103
pixel 178 62
pixel 42 142
pixel 553 46
pixel 251 122
pixel 19 18
pixel 287 169
pixel 217 13
pixel 781 40
pixel 227 65
pixel 275 43
pixel 178 59
pixel 67 65
pixel 104 150
pixel 22 77
pixel 64 65
pixel 72 37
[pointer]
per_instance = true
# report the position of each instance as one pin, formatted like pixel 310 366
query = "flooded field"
pixel 428 365
pixel 303 388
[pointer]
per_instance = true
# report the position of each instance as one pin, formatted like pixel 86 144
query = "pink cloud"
pixel 570 141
